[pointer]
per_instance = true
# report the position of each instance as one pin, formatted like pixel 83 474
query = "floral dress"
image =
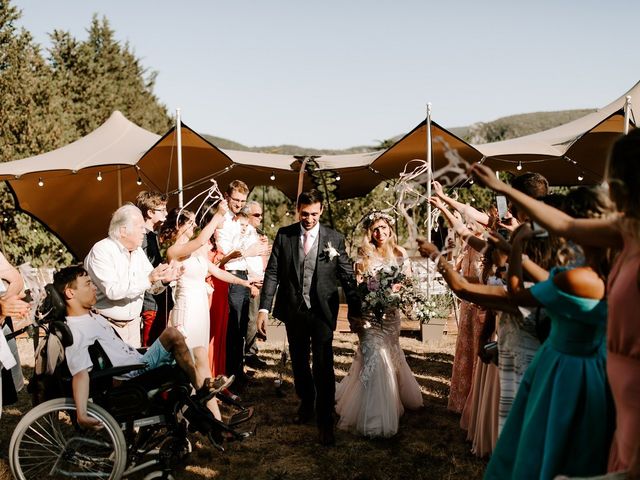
pixel 380 385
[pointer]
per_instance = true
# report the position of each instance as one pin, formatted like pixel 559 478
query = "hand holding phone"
pixel 501 202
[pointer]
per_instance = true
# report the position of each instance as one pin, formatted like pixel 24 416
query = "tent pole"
pixel 627 111
pixel 119 175
pixel 429 180
pixel 301 181
pixel 179 141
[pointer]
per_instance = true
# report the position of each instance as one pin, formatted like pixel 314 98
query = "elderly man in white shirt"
pixel 122 272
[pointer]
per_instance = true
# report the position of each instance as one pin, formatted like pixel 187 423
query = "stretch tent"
pixel 72 202
pixel 570 154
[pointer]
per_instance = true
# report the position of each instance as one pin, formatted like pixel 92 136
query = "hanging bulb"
pixel 386 187
pixel 139 181
pixel 286 214
pixel 471 182
pixel 338 178
pixel 580 177
pixel 40 182
pixel 99 177
pixel 272 225
pixel 272 177
pixel 519 167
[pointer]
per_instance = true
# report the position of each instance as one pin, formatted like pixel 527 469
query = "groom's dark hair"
pixel 310 197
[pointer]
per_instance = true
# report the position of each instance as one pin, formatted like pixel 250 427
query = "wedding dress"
pixel 380 385
pixel 190 312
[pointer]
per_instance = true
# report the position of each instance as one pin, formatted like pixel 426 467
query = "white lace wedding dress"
pixel 372 397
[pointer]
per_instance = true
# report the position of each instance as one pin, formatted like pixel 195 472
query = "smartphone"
pixel 538 231
pixel 501 202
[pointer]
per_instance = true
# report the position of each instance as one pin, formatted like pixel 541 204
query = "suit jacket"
pixel 283 274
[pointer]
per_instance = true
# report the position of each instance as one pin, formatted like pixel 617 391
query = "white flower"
pixel 330 252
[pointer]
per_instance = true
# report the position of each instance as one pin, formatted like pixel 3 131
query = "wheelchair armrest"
pixel 115 371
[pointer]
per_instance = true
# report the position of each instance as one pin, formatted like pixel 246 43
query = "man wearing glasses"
pixel 256 271
pixel 228 240
pixel 153 206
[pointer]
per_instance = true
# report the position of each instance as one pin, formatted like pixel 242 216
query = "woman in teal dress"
pixel 562 417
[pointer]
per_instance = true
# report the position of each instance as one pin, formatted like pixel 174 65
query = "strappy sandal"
pixel 211 386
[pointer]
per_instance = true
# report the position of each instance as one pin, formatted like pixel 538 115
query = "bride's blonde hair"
pixel 368 250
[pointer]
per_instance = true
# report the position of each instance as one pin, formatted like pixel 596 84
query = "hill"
pixel 482 132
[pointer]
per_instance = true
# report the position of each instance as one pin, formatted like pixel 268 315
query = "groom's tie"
pixel 307 242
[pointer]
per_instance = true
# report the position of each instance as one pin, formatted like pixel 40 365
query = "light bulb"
pixel 519 167
pixel 272 177
pixel 580 177
pixel 337 178
pixel 471 182
pixel 99 177
pixel 139 181
pixel 286 214
pixel 40 182
pixel 386 187
pixel 272 225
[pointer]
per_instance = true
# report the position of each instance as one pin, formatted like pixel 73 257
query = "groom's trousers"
pixel 309 334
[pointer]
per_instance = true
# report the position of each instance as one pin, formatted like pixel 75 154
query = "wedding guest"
pixel 122 272
pixel 190 314
pixel 256 266
pixel 623 337
pixel 227 240
pixel 560 420
pixel 79 292
pixel 153 206
pixel 12 305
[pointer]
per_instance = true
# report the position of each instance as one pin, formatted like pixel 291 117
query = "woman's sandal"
pixel 211 386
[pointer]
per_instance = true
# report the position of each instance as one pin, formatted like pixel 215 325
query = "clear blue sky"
pixel 339 73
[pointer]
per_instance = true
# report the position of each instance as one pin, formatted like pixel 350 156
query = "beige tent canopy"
pixel 72 202
pixel 564 154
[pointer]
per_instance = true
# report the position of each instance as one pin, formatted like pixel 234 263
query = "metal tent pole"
pixel 627 111
pixel 179 144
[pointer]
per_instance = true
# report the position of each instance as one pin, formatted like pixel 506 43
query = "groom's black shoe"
pixel 304 414
pixel 326 435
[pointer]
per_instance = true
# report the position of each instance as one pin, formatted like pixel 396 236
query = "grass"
pixel 429 444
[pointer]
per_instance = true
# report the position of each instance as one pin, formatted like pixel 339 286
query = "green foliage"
pixel 50 102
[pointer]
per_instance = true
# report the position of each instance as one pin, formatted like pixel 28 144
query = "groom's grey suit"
pixel 307 302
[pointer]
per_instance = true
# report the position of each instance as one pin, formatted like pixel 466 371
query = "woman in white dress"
pixel 190 314
pixel 380 385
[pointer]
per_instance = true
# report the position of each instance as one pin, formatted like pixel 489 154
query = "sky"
pixel 341 73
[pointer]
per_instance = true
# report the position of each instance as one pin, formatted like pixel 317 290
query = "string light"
pixel 99 177
pixel 386 187
pixel 40 182
pixel 580 177
pixel 272 177
pixel 338 178
pixel 139 181
pixel 519 167
pixel 286 214
pixel 471 182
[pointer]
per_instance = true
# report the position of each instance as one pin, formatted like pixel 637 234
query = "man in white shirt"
pixel 122 272
pixel 79 293
pixel 228 239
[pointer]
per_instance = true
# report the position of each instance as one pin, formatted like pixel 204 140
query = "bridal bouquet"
pixel 389 288
pixel 381 290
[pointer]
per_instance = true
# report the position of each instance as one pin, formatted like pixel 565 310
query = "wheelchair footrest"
pixel 240 417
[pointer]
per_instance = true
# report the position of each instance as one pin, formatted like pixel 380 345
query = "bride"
pixel 379 385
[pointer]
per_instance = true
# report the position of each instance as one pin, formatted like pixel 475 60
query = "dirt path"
pixel 429 445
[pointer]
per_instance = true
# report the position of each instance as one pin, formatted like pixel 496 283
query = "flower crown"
pixel 376 215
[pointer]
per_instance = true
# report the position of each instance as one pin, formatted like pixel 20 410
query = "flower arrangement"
pixel 390 288
pixel 330 252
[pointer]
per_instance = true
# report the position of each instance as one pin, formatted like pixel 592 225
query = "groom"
pixel 306 262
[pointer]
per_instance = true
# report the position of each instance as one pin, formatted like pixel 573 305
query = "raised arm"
pixel 179 251
pixel 488 296
pixel 458 226
pixel 594 232
pixel 11 274
pixel 515 282
pixel 467 211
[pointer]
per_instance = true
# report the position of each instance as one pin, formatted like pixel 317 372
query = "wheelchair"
pixel 144 421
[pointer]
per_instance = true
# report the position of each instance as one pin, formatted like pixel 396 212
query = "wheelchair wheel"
pixel 47 442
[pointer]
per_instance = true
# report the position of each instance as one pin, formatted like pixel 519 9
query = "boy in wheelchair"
pixel 79 293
